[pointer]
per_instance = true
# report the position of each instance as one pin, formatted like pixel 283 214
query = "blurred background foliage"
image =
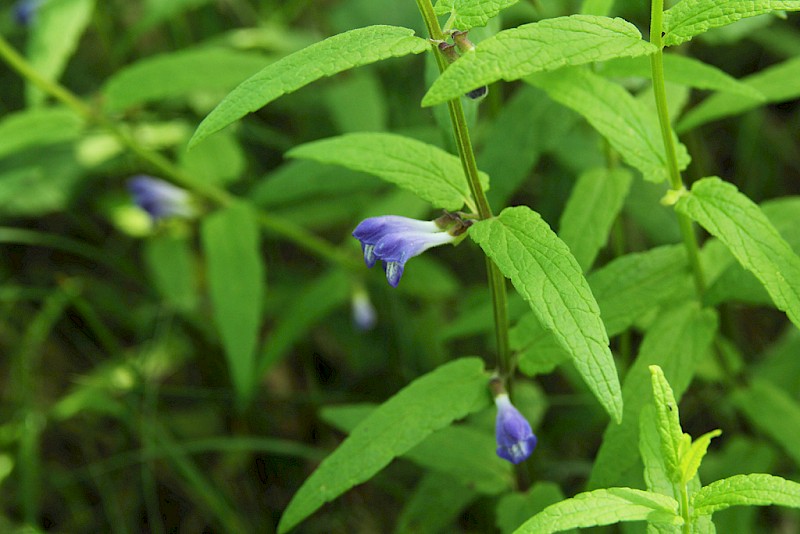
pixel 118 412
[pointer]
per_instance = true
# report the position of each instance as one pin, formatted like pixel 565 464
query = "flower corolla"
pixel 160 199
pixel 515 439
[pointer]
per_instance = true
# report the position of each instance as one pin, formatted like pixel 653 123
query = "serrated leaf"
pixel 690 460
pixel 178 74
pixel 429 403
pixel 677 340
pixel 425 170
pixel 669 423
pixel 326 58
pixel 628 124
pixel 746 490
pixel 549 278
pixel 596 200
pixel 692 17
pixel 741 225
pixel 777 83
pixel 231 243
pixel 54 38
pixel 539 46
pixel 38 126
pixel 467 14
pixel 655 473
pixel 774 412
pixel 603 507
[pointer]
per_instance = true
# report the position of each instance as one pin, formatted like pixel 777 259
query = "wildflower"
pixel 515 439
pixel 394 240
pixel 158 198
pixel 25 11
pixel 364 314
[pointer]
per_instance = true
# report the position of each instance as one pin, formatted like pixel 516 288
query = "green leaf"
pixel 539 46
pixel 678 339
pixel 425 170
pixel 514 508
pixel 778 83
pixel 54 38
pixel 746 490
pixel 690 461
pixel 326 58
pixel 172 266
pixel 597 7
pixel 434 506
pixel 178 74
pixel 692 17
pixel 603 507
pixel 655 472
pixel 591 210
pixel 467 14
pixel 549 278
pixel 429 403
pixel 236 284
pixel 669 423
pixel 684 70
pixel 221 160
pixel 774 412
pixel 741 225
pixel 628 124
pixel 38 126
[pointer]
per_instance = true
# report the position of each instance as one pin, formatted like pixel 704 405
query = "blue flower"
pixel 25 11
pixel 394 240
pixel 159 199
pixel 515 439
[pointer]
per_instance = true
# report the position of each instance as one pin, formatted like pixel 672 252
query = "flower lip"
pixel 515 439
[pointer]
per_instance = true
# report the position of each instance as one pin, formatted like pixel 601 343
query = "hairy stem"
pixel 676 182
pixel 165 168
pixel 497 282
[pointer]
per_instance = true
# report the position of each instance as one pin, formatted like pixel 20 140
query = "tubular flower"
pixel 394 240
pixel 159 199
pixel 515 439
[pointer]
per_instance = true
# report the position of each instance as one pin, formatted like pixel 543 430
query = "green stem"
pixel 676 182
pixel 685 513
pixel 168 170
pixel 497 282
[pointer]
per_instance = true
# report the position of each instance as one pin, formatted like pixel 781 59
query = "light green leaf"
pixel 591 210
pixel 778 83
pixel 326 58
pixel 679 338
pixel 37 126
pixel 630 126
pixel 774 412
pixel 236 284
pixel 429 403
pixel 220 161
pixel 172 265
pixel 425 170
pixel 669 423
pixel 539 46
pixel 434 506
pixel 549 278
pixel 603 507
pixel 597 7
pixel 54 38
pixel 692 17
pixel 684 70
pixel 746 490
pixel 655 473
pixel 178 74
pixel 690 460
pixel 467 14
pixel 741 225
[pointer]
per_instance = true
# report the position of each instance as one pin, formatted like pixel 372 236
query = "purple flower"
pixel 394 240
pixel 25 11
pixel 515 439
pixel 158 198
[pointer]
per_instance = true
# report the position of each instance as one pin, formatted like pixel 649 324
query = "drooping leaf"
pixel 236 284
pixel 678 339
pixel 739 223
pixel 777 83
pixel 591 210
pixel 467 14
pixel 746 490
pixel 178 74
pixel 539 46
pixel 54 38
pixel 333 55
pixel 425 170
pixel 429 403
pixel 603 507
pixel 549 278
pixel 627 123
pixel 692 17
